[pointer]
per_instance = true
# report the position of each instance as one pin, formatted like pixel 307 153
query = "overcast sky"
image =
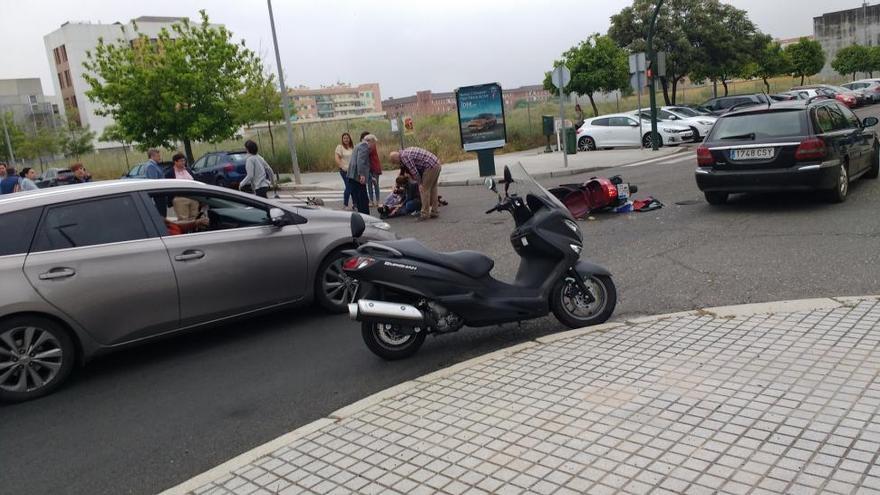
pixel 404 45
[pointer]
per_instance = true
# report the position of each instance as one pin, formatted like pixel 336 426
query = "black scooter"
pixel 409 291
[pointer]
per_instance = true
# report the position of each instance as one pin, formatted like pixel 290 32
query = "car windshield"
pixel 687 112
pixel 523 185
pixel 762 125
pixel 238 157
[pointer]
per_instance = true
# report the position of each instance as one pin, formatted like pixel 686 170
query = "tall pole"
pixel 562 127
pixel 653 58
pixel 285 100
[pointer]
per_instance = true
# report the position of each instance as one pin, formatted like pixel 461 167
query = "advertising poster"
pixel 481 117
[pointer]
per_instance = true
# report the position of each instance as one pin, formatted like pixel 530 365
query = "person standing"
pixel 424 168
pixel 10 183
pixel 375 171
pixel 2 172
pixel 26 183
pixel 80 176
pixel 154 170
pixel 257 170
pixel 185 209
pixel 359 173
pixel 343 156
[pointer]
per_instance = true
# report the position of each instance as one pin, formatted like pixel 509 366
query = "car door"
pixel 237 264
pixel 626 131
pixel 98 262
pixel 863 139
pixel 198 169
pixel 600 132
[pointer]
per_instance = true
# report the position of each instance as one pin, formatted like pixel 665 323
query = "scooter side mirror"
pixel 508 179
pixel 490 184
pixel 357 225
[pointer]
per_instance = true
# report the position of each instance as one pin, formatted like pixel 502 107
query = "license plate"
pixel 753 154
pixel 623 191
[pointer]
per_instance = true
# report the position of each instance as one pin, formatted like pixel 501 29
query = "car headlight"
pixel 705 122
pixel 381 225
pixel 669 131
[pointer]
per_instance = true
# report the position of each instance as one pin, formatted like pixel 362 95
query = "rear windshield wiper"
pixel 750 135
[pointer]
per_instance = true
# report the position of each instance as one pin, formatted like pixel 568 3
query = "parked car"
pixel 788 96
pixel 140 171
pixel 482 122
pixel 620 130
pixel 868 87
pixel 52 177
pixel 817 144
pixel 723 104
pixel 221 168
pixel 97 267
pixel 849 98
pixel 700 124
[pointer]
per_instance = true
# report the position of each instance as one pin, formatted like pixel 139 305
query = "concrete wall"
pixel 836 30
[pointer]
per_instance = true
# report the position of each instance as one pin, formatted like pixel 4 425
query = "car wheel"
pixel 647 142
pixel 874 171
pixel 841 185
pixel 335 289
pixel 36 357
pixel 715 197
pixel 586 143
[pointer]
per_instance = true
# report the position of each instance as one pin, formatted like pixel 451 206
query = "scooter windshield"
pixel 523 185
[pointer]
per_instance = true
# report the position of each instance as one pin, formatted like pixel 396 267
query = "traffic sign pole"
pixel 561 77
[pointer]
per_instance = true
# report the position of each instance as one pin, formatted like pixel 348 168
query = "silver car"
pixel 90 268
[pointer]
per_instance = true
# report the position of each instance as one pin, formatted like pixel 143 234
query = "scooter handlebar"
pixel 494 208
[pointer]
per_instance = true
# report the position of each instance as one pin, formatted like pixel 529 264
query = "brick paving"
pixel 764 404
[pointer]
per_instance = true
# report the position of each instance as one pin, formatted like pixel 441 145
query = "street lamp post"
pixel 652 56
pixel 285 100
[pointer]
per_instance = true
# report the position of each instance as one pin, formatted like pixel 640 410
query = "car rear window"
pixel 763 125
pixel 19 227
pixel 90 223
pixel 237 157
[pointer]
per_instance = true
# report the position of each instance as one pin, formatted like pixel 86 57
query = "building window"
pixel 73 102
pixel 57 57
pixel 67 78
pixel 63 53
pixel 60 81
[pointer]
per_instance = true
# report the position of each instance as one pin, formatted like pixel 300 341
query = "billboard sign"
pixel 481 117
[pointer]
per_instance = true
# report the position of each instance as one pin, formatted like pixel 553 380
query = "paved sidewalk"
pixel 536 162
pixel 759 399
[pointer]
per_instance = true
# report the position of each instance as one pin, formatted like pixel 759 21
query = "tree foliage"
pixel 769 60
pixel 596 64
pixel 261 102
pixel 182 86
pixel 17 138
pixel 807 58
pixel 724 40
pixel 75 140
pixel 852 59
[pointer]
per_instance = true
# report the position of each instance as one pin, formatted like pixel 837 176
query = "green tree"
pixel 724 42
pixel 674 33
pixel 178 87
pixel 43 142
pixel 873 60
pixel 115 134
pixel 852 59
pixel 75 140
pixel 596 64
pixel 769 60
pixel 17 138
pixel 261 102
pixel 807 58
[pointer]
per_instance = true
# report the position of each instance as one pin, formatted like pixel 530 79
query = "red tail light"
pixel 811 149
pixel 228 167
pixel 357 263
pixel 704 157
pixel 877 89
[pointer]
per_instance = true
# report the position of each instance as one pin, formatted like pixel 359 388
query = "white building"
pixel 66 50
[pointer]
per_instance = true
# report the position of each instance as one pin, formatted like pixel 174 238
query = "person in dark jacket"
pixel 359 173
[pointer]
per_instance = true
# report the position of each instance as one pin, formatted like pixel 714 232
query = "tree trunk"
pixel 724 83
pixel 272 141
pixel 593 103
pixel 802 80
pixel 766 84
pixel 187 147
pixel 674 91
pixel 714 88
pixel 665 84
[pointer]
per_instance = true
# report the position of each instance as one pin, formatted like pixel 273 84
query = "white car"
pixel 622 129
pixel 699 123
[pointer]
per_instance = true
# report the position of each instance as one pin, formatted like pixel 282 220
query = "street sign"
pixel 660 70
pixel 394 127
pixel 561 76
pixel 636 62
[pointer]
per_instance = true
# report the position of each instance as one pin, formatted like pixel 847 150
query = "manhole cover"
pixel 687 202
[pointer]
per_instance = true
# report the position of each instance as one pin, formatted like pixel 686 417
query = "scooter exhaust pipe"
pixel 385 312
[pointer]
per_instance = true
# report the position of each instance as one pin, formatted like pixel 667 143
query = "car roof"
pixel 779 106
pixel 52 195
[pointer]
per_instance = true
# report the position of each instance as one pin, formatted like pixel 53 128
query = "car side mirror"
pixel 490 184
pixel 870 121
pixel 276 215
pixel 357 225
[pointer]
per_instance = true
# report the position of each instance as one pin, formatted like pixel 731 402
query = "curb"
pixel 726 312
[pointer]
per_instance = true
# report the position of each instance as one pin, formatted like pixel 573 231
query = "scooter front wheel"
pixel 574 309
pixel 387 342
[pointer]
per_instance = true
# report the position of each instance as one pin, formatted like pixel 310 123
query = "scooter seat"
pixel 468 262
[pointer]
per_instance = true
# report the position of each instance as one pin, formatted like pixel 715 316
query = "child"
pixel 394 201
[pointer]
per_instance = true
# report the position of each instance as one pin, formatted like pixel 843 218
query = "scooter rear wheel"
pixel 388 344
pixel 571 307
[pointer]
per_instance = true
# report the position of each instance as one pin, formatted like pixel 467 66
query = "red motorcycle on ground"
pixel 596 194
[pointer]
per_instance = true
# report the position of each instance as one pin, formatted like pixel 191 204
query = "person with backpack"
pixel 259 175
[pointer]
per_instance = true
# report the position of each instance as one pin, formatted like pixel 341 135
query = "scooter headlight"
pixel 572 225
pixel 381 225
pixel 575 248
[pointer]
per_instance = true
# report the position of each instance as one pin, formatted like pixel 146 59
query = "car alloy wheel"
pixel 647 141
pixel 586 143
pixel 36 356
pixel 337 288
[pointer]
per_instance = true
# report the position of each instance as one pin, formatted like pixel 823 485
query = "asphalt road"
pixel 143 420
